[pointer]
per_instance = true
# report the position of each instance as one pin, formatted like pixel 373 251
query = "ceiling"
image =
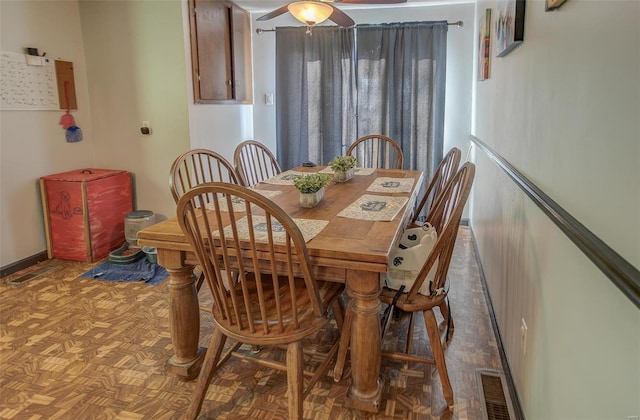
pixel 269 5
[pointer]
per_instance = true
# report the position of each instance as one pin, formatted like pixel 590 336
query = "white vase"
pixel 309 200
pixel 343 176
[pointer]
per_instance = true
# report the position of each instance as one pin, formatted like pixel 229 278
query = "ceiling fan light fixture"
pixel 310 12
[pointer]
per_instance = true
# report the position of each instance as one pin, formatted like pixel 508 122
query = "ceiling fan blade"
pixel 372 1
pixel 279 11
pixel 340 17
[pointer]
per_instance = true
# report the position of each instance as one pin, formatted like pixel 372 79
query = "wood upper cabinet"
pixel 220 52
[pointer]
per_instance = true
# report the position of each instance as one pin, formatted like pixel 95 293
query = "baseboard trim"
pixel 515 400
pixel 22 264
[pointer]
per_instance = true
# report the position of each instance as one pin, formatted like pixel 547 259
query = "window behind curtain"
pixel 399 90
pixel 315 87
pixel 401 87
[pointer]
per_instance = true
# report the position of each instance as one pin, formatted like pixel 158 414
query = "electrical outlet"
pixel 523 337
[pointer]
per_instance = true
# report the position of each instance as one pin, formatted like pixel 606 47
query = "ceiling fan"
pixel 312 12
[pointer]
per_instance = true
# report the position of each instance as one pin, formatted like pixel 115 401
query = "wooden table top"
pixel 343 243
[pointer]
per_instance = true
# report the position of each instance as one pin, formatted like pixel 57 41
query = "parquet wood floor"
pixel 74 348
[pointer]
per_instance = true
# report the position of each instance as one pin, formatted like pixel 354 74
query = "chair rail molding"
pixel 621 272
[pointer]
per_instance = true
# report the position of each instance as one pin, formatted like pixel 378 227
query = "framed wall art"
pixel 509 31
pixel 484 44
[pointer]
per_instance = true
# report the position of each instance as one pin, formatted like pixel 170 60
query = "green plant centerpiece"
pixel 343 167
pixel 311 188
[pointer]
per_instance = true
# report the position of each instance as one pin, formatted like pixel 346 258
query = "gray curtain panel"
pixel 401 74
pixel 401 88
pixel 315 88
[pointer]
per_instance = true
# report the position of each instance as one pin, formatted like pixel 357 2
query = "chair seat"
pixel 308 322
pixel 419 303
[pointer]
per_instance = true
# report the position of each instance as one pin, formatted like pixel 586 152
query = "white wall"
pixel 563 108
pixel 135 66
pixel 32 143
pixel 460 44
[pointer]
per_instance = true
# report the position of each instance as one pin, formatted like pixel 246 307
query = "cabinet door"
pixel 211 50
pixel 241 36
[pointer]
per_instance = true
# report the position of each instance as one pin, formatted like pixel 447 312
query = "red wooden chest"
pixel 84 212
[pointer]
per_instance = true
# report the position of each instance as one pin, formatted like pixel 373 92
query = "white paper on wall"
pixel 26 86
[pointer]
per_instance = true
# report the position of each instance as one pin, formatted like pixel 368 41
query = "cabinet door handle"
pixel 228 83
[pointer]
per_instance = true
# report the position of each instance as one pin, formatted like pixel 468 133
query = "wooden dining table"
pixel 348 250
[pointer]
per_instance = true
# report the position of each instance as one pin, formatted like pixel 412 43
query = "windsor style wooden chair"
pixel 445 217
pixel 254 163
pixel 195 167
pixel 377 151
pixel 273 300
pixel 444 173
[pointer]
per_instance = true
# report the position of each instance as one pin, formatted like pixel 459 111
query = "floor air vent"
pixel 496 402
pixel 35 273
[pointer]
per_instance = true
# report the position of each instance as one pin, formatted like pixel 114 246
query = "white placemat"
pixel 285 178
pixel 358 171
pixel 238 203
pixel 309 228
pixel 391 185
pixel 374 207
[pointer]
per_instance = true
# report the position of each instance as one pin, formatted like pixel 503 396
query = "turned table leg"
pixel 184 316
pixel 366 389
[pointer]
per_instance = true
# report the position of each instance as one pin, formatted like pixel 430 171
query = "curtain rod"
pixel 458 24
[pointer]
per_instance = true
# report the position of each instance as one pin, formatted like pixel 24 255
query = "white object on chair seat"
pixel 407 260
